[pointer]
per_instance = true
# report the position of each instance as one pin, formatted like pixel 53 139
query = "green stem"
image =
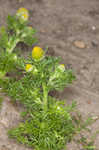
pixel 13 41
pixel 45 95
pixel 12 44
pixel 2 74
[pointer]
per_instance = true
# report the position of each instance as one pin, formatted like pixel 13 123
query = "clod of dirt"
pixel 94 44
pixel 43 31
pixel 79 44
pixel 88 102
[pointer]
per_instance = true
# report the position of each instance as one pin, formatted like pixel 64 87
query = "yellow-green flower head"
pixel 22 10
pixel 28 67
pixel 37 53
pixel 25 17
pixel 23 14
pixel 61 67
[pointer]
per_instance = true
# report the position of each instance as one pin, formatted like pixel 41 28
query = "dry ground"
pixel 59 24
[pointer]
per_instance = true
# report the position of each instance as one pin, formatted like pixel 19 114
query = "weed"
pixel 48 123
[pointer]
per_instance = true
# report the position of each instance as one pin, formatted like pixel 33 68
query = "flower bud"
pixel 28 67
pixel 23 14
pixel 37 53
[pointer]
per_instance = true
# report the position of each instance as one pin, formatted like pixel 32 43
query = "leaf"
pixel 3 37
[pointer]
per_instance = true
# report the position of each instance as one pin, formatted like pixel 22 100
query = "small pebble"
pixel 42 31
pixel 93 28
pixel 95 117
pixel 79 44
pixel 89 102
pixel 4 122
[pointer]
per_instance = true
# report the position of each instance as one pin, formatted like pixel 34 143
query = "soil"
pixel 59 24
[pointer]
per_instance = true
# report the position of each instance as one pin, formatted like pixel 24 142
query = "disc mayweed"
pixel 37 53
pixel 23 14
pixel 28 67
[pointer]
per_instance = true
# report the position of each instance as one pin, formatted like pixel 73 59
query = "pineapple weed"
pixel 48 124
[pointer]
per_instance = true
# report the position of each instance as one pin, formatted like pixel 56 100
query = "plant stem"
pixel 13 40
pixel 12 44
pixel 45 95
pixel 2 74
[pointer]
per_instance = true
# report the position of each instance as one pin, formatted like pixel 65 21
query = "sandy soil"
pixel 59 24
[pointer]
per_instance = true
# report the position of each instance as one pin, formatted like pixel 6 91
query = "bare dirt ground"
pixel 59 24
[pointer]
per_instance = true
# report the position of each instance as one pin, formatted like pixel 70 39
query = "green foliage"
pixel 16 31
pixel 10 62
pixel 46 131
pixel 48 124
pixel 29 87
pixel 1 100
pixel 21 30
pixel 48 71
pixel 87 144
pixel 3 38
pixel 21 91
pixel 14 24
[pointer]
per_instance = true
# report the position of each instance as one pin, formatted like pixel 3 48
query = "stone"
pixel 93 28
pixel 79 44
